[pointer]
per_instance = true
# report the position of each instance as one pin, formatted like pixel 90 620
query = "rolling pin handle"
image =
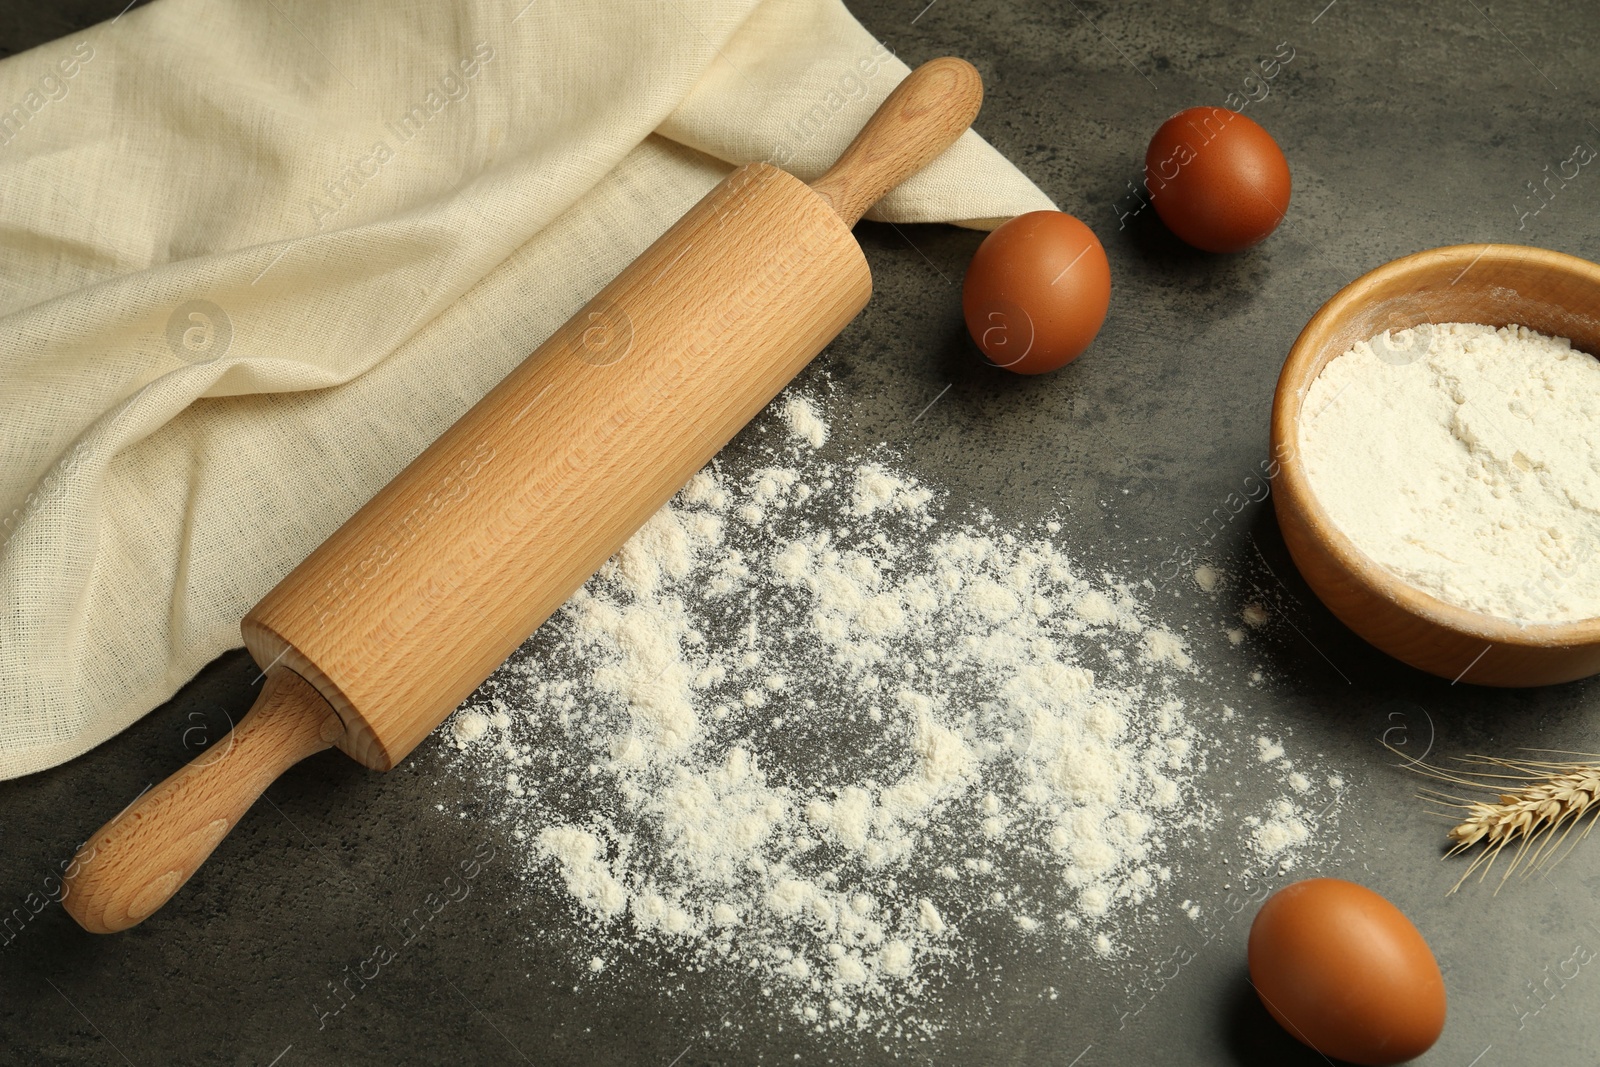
pixel 923 116
pixel 137 861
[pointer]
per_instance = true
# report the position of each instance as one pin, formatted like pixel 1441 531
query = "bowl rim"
pixel 1291 480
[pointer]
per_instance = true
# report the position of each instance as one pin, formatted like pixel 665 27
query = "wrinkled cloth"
pixel 256 256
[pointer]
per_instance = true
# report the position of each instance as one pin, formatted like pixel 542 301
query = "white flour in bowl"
pixel 802 730
pixel 1465 459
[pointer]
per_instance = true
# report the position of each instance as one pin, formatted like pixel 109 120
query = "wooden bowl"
pixel 1497 285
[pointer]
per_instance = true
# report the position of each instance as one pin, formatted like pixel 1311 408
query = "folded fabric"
pixel 256 256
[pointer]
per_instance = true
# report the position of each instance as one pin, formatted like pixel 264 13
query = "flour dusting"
pixel 804 729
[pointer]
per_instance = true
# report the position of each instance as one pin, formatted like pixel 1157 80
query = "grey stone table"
pixel 1407 127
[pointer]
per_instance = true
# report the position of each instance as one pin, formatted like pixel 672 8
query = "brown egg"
pixel 1217 179
pixel 1345 972
pixel 1036 292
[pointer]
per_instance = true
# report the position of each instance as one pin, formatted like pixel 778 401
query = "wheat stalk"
pixel 1533 819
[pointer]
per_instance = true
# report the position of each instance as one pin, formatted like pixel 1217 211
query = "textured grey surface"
pixel 1405 128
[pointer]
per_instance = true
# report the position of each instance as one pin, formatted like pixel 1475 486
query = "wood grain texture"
pixel 1497 285
pixel 409 606
pixel 134 863
pixel 917 121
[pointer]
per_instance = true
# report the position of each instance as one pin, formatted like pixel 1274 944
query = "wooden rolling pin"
pixel 394 620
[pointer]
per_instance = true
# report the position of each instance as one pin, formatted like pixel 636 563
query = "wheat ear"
pixel 1534 818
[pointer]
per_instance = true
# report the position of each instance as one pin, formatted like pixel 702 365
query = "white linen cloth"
pixel 256 254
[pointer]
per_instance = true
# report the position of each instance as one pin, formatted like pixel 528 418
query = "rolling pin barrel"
pixel 410 604
pixel 406 608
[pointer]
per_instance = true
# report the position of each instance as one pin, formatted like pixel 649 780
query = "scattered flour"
pixel 1284 828
pixel 816 747
pixel 1463 459
pixel 469 726
pixel 804 421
